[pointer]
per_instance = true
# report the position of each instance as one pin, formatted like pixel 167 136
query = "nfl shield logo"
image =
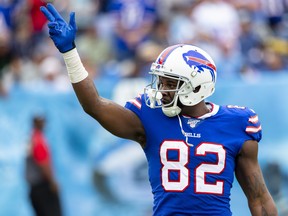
pixel 193 122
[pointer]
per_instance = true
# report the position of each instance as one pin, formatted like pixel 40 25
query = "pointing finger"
pixel 54 12
pixel 72 20
pixel 47 14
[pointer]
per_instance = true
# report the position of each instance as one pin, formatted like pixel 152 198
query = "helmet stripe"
pixel 161 60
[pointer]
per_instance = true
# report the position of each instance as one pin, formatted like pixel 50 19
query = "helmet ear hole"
pixel 197 89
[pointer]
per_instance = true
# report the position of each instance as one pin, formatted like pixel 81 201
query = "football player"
pixel 193 147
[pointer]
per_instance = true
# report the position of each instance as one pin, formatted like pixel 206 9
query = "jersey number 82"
pixel 180 166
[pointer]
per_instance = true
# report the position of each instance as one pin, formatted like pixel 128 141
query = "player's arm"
pixel 249 176
pixel 115 118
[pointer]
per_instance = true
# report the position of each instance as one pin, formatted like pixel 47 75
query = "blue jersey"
pixel 191 161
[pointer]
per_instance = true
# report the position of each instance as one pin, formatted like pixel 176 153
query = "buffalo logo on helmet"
pixel 196 59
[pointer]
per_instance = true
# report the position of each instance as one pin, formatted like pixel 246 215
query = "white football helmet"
pixel 192 67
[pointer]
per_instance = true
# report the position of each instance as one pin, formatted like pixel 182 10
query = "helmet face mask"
pixel 194 71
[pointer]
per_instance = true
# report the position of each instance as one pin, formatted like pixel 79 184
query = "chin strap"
pixel 155 100
pixel 171 111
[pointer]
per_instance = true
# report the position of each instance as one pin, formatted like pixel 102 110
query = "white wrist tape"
pixel 75 68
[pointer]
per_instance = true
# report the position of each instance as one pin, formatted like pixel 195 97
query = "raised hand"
pixel 62 33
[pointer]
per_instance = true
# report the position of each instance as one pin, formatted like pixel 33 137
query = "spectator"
pixel 44 194
pixel 134 21
pixel 218 27
pixel 53 79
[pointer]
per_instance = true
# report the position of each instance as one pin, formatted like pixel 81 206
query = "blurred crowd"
pixel 120 38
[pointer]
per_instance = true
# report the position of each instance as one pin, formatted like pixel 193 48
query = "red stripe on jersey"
pixel 136 103
pixel 254 119
pixel 251 129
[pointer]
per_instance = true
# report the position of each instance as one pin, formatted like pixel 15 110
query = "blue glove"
pixel 62 34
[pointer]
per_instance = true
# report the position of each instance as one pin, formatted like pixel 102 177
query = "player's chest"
pixel 189 130
pixel 194 138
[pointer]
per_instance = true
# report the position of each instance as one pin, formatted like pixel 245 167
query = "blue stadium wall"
pixel 74 138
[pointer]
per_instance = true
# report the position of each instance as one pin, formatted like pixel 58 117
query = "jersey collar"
pixel 214 108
